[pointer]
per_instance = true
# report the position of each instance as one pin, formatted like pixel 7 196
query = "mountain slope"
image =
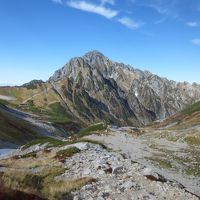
pixel 148 97
pixel 93 88
pixel 17 128
pixel 188 118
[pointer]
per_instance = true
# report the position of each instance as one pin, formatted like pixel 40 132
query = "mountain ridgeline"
pixel 93 88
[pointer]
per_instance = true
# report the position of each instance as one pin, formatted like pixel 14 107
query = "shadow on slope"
pixel 17 128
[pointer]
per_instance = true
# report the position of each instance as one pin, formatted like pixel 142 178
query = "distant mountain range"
pixel 93 88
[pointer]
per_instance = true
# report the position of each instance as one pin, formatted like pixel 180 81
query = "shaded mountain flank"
pixel 17 128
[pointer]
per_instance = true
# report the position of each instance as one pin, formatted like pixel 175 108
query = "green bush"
pixel 191 109
pixel 52 142
pixel 33 181
pixel 91 129
pixel 67 153
pixel 29 155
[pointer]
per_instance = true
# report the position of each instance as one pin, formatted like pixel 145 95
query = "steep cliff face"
pixel 121 93
pixel 93 88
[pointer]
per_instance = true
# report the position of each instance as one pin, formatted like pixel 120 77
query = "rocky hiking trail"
pixel 119 178
pixel 161 156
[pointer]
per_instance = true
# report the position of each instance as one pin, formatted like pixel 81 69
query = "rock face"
pixel 95 88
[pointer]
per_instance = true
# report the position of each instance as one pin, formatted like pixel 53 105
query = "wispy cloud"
pixel 57 1
pixel 101 9
pixel 93 8
pixel 196 41
pixel 192 24
pixel 165 8
pixel 112 2
pixel 130 23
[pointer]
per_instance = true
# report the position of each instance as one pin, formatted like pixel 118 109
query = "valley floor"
pixel 87 170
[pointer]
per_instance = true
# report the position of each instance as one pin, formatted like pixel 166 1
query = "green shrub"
pixel 29 155
pixel 33 181
pixel 52 142
pixel 91 129
pixel 193 139
pixel 67 153
pixel 32 107
pixel 191 109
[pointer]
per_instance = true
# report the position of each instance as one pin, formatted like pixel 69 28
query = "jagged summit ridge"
pixel 93 88
pixel 93 54
pixel 146 96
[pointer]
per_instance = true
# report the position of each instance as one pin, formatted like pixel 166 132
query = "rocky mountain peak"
pixel 93 54
pixel 97 60
pixel 95 88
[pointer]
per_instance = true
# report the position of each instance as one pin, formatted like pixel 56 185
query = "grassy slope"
pixel 44 104
pixel 18 132
pixel 14 130
pixel 58 114
pixel 13 135
pixel 192 109
pixel 78 137
pixel 183 127
pixel 42 100
pixel 91 129
pixel 188 117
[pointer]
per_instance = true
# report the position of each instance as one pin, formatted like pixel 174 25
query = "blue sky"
pixel 38 37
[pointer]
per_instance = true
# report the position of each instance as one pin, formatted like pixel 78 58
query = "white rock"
pixel 101 172
pixel 128 184
pixel 100 198
pixel 76 198
pixel 86 171
pixel 149 172
pixel 117 169
pixel 81 146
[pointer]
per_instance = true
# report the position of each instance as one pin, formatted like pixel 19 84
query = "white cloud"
pixel 196 41
pixel 57 1
pixel 112 2
pixel 93 8
pixel 106 12
pixel 192 24
pixel 128 22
